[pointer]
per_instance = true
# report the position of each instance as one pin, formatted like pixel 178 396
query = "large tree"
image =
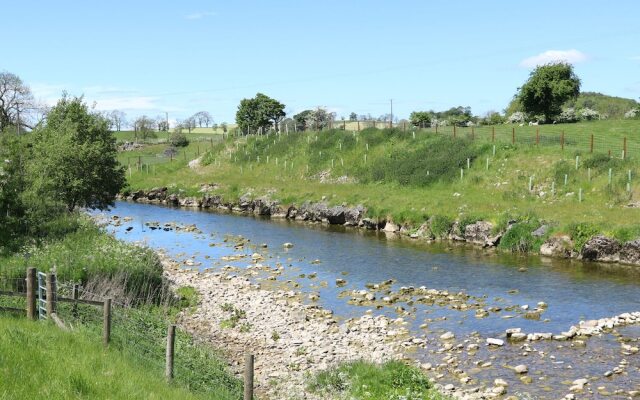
pixel 548 88
pixel 202 117
pixel 118 119
pixel 74 157
pixel 15 100
pixel 259 113
pixel 421 119
pixel 144 127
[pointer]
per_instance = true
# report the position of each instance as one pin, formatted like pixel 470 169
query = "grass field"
pixel 197 134
pixel 494 186
pixel 39 361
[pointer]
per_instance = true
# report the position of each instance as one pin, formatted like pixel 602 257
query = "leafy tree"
pixel 202 117
pixel 224 127
pixel 301 119
pixel 74 158
pixel 144 127
pixel 259 113
pixel 548 88
pixel 420 118
pixel 13 182
pixel 353 116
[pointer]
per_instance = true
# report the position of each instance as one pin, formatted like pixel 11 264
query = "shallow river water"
pixel 504 283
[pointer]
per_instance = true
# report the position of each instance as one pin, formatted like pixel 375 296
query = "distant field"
pixel 160 137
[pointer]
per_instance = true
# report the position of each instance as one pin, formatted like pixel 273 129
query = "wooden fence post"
pixel 171 344
pixel 106 323
pixel 473 134
pixel 248 377
pixel 493 134
pixel 358 126
pixel 31 294
pixel 591 144
pixel 51 293
pixel 513 135
pixel 562 141
pixel 537 136
pixel 75 295
pixel 624 148
pixel 454 130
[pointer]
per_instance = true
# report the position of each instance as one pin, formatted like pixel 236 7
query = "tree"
pixel 421 119
pixel 118 119
pixel 202 117
pixel 224 127
pixel 548 88
pixel 259 113
pixel 353 116
pixel 301 119
pixel 15 100
pixel 144 126
pixel 320 118
pixel 74 158
pixel 178 138
pixel 162 123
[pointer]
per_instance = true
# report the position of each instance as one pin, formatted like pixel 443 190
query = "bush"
pixel 581 233
pixel 519 239
pixel 440 226
pixel 178 139
pixel 516 118
pixel 587 114
pixel 567 116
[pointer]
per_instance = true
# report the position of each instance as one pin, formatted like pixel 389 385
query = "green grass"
pixel 88 253
pixel 412 179
pixel 393 380
pixel 38 361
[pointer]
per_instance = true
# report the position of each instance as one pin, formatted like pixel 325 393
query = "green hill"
pixel 613 107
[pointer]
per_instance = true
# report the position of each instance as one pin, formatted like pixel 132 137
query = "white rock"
pixel 495 342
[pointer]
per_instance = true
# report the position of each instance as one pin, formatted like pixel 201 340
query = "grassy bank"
pixel 38 360
pixel 361 380
pixel 411 178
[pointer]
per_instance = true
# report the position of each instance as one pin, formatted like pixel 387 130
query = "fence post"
pixel 51 293
pixel 493 134
pixel 591 144
pixel 454 130
pixel 358 126
pixel 537 136
pixel 31 294
pixel 624 148
pixel 75 296
pixel 562 141
pixel 171 343
pixel 248 377
pixel 436 127
pixel 513 135
pixel 106 323
pixel 473 134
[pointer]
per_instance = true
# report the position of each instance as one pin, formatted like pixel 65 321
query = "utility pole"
pixel 167 118
pixel 391 119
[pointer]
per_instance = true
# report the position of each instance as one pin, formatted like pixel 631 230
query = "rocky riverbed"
pixel 254 296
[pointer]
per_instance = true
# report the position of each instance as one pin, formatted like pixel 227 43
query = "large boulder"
pixel 157 194
pixel 390 227
pixel 353 215
pixel 337 215
pixel 630 252
pixel 262 206
pixel 557 246
pixel 601 248
pixel 478 233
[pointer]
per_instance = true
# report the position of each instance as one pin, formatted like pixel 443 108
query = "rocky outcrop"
pixel 630 252
pixel 480 233
pixel 557 246
pixel 601 248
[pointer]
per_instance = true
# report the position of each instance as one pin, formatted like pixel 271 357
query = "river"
pixel 507 285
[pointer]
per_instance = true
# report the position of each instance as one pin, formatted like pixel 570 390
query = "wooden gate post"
pixel 51 293
pixel 171 343
pixel 106 323
pixel 248 377
pixel 31 294
pixel 591 144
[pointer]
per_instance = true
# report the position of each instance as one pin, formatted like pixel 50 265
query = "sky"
pixel 181 57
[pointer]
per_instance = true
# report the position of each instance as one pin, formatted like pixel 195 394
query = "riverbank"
pixel 583 242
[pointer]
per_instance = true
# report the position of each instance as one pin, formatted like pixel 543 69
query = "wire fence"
pixel 141 332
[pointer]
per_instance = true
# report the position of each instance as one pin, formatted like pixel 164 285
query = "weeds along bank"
pixel 534 195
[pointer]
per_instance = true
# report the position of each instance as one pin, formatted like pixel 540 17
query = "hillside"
pixel 614 107
pixel 411 178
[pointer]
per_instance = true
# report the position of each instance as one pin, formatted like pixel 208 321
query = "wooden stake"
pixel 51 293
pixel 171 344
pixel 248 377
pixel 106 323
pixel 32 312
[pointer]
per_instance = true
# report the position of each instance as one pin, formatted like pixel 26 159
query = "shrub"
pixel 587 114
pixel 519 239
pixel 516 118
pixel 178 139
pixel 567 116
pixel 440 225
pixel 581 233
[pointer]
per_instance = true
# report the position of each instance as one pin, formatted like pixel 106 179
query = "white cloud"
pixel 200 15
pixel 572 56
pixel 46 93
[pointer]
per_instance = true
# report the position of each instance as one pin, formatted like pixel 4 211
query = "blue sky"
pixel 151 57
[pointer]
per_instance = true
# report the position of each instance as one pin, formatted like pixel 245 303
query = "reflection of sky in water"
pixel 573 291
